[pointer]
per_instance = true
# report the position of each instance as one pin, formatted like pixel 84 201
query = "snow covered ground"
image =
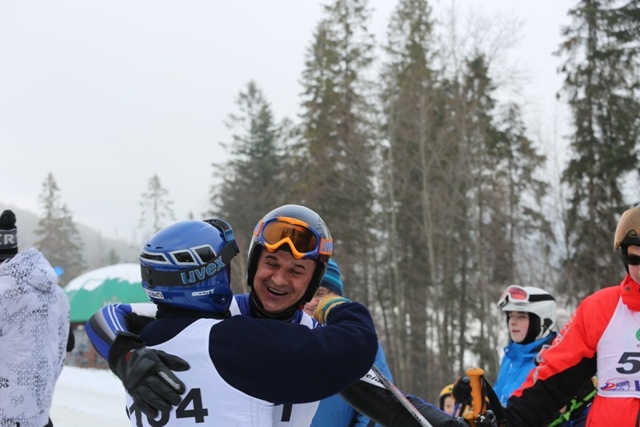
pixel 88 397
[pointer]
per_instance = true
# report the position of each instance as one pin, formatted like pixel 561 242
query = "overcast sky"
pixel 106 93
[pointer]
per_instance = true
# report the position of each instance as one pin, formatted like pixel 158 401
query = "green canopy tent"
pixel 114 284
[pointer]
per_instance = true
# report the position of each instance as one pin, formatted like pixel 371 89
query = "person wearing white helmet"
pixel 602 338
pixel 531 318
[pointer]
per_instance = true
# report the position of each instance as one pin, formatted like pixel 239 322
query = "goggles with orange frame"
pixel 304 242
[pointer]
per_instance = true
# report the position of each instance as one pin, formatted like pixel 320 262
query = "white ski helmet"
pixel 531 300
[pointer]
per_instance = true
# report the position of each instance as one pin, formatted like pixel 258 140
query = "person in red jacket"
pixel 602 338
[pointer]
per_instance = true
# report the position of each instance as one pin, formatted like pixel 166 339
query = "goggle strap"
pixel 226 229
pixel 325 247
pixel 537 298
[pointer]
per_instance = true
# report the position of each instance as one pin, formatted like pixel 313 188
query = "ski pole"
pixel 477 402
pixel 401 397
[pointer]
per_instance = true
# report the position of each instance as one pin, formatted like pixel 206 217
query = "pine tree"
pixel 501 204
pixel 602 50
pixel 59 239
pixel 461 192
pixel 112 257
pixel 157 211
pixel 254 180
pixel 412 201
pixel 337 137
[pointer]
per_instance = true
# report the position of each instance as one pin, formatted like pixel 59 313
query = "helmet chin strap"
pixel 623 252
pixel 546 326
pixel 630 289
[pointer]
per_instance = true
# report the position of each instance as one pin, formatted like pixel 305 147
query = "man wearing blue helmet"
pixel 245 364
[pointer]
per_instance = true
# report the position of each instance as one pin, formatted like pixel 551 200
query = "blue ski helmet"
pixel 187 265
pixel 296 229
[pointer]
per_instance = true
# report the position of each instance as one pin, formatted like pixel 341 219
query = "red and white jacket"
pixel 603 338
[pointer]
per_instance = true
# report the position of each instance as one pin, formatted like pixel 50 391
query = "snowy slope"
pixel 88 397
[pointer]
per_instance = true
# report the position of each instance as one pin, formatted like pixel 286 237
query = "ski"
pixel 401 397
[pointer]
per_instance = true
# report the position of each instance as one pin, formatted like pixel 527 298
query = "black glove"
pixel 488 419
pixel 462 390
pixel 147 374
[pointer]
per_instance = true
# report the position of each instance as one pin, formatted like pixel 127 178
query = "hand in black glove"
pixel 488 419
pixel 147 374
pixel 462 390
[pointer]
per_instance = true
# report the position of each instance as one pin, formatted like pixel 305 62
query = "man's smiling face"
pixel 281 279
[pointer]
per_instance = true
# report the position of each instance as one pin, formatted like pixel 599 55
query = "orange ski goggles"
pixel 304 241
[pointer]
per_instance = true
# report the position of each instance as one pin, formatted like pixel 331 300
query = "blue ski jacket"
pixel 516 363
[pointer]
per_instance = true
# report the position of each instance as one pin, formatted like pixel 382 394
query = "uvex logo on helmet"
pixel 199 274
